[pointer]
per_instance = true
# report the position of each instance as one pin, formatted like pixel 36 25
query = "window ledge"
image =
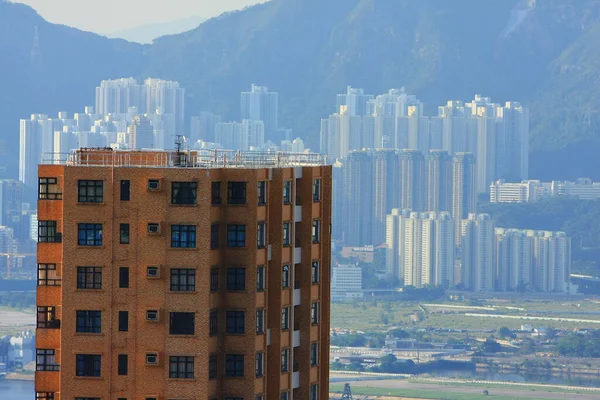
pixel 183 292
pixel 183 336
pixel 89 334
pixel 90 203
pixel 184 248
pixel 184 205
pixel 94 378
pixel 79 290
pixel 182 379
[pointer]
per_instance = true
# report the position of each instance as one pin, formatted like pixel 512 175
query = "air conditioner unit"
pixel 152 359
pixel 152 315
pixel 154 228
pixel 153 184
pixel 153 271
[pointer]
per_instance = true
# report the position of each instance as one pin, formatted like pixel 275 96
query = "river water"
pixel 16 390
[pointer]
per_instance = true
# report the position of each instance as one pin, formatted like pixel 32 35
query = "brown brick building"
pixel 183 276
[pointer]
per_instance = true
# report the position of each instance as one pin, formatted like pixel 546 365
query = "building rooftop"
pixel 203 159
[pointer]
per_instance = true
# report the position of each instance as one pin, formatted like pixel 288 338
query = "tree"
pixel 399 333
pixel 505 333
pixel 491 346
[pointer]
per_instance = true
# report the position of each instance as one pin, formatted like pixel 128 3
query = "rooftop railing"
pixel 206 159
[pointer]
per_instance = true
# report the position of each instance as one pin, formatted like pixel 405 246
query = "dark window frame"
pixel 182 280
pixel 317 190
pixel 214 236
pixel 123 361
pixel 261 278
pixel 236 193
pixel 90 191
pixel 88 365
pixel 48 231
pixel 188 321
pixel 181 367
pixel 234 365
pixel 286 276
pixel 125 190
pixel 316 231
pixel 44 395
pixel 183 236
pixel 314 354
pixel 287 192
pixel 45 360
pixel 123 277
pixel 262 193
pixel 214 279
pixel 45 186
pixel 285 360
pixel 213 366
pixel 88 321
pixel 215 193
pixel 236 235
pixel 260 321
pixel 314 313
pixel 261 235
pixel 236 279
pixel 46 318
pixel 89 234
pixel 47 275
pixel 123 323
pixel 315 272
pixel 235 322
pixel 287 234
pixel 84 273
pixel 213 322
pixel 285 318
pixel 314 392
pixel 184 193
pixel 124 234
pixel 259 364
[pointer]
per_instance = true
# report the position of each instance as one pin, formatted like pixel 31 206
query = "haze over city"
pixel 301 199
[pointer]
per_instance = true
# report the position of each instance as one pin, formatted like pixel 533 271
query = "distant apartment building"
pixel 497 135
pixel 477 253
pixel 166 275
pixel 422 244
pixel 346 282
pixel 530 191
pixel 259 104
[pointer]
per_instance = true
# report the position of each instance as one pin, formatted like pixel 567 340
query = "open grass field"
pixel 420 390
pixel 13 321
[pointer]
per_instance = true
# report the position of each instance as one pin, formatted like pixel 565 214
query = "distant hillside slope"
pixel 146 34
pixel 544 53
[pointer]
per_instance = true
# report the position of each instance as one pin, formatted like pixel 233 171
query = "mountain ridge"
pixel 543 54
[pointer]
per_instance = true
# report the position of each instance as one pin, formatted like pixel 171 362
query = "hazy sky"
pixel 106 16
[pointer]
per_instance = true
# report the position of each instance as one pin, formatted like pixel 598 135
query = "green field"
pixel 429 394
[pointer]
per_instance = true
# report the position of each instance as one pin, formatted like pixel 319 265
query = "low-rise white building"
pixel 346 282
pixel 531 191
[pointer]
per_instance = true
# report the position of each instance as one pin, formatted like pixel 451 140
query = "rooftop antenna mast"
pixel 179 154
pixel 347 395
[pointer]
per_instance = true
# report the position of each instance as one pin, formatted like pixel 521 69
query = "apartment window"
pixel 181 323
pixel 215 193
pixel 285 277
pixel 214 236
pixel 285 318
pixel 314 354
pixel 46 318
pixel 89 278
pixel 48 189
pixel 88 321
pixel 122 370
pixel 214 279
pixel 316 231
pixel 236 192
pixel 123 321
pixel 181 367
pixel 234 365
pixel 287 192
pixel 285 360
pixel 213 324
pixel 287 234
pixel 44 395
pixel 262 193
pixel 314 392
pixel 47 275
pixel 317 190
pixel 183 280
pixel 235 322
pixel 123 277
pixel 88 364
pixel 89 234
pixel 124 234
pixel 125 190
pixel 236 279
pixel 183 236
pixel 47 232
pixel 90 191
pixel 260 321
pixel 261 238
pixel 184 192
pixel 212 366
pixel 315 272
pixel 285 396
pixel 261 278
pixel 236 235
pixel 45 361
pixel 314 313
pixel 260 364
pixel 260 397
